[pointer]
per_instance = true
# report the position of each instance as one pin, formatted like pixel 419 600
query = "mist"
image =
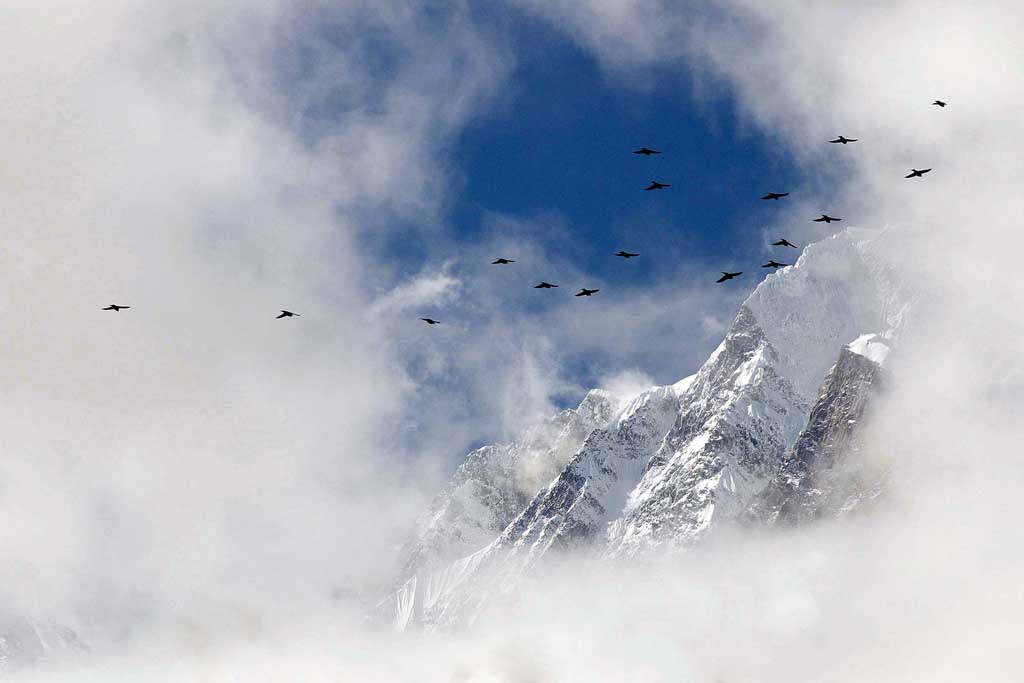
pixel 207 493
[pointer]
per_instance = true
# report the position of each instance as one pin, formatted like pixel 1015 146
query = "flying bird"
pixel 774 264
pixel 287 314
pixel 825 218
pixel 646 152
pixel 501 261
pixel 625 254
pixel 914 173
pixel 430 321
pixel 587 292
pixel 784 243
pixel 114 307
pixel 775 195
pixel 843 140
pixel 655 185
pixel 544 285
pixel 728 276
pixel 938 103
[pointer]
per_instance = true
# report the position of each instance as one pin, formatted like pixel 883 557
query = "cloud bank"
pixel 196 472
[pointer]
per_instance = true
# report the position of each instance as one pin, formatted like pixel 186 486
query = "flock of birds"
pixel 655 185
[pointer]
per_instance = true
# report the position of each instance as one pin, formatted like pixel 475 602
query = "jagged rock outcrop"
pixel 822 474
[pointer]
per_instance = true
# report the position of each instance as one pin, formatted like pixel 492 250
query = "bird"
pixel 728 276
pixel 775 195
pixel 544 285
pixel 655 185
pixel 587 292
pixel 287 314
pixel 430 321
pixel 784 243
pixel 843 140
pixel 774 264
pixel 825 218
pixel 646 152
pixel 938 103
pixel 914 173
pixel 114 307
pixel 625 254
pixel 501 261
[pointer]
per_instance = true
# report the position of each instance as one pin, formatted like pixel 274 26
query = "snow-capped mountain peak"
pixel 668 467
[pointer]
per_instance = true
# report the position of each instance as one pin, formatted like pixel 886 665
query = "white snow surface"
pixel 871 346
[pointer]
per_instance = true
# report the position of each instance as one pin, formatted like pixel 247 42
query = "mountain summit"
pixel 758 435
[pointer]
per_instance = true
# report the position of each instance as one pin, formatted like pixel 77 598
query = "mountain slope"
pixel 485 494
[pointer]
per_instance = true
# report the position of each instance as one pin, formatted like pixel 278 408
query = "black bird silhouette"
pixel 501 261
pixel 587 292
pixel 646 152
pixel 655 185
pixel 728 276
pixel 914 173
pixel 544 285
pixel 774 264
pixel 825 218
pixel 114 307
pixel 430 321
pixel 843 140
pixel 287 314
pixel 939 103
pixel 775 195
pixel 784 243
pixel 625 254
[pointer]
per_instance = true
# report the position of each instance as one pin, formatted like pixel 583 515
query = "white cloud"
pixel 193 454
pixel 195 466
pixel 425 290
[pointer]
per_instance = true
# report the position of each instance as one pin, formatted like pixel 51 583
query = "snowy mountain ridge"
pixel 762 425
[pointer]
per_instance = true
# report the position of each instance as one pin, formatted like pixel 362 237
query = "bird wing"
pixel 283 315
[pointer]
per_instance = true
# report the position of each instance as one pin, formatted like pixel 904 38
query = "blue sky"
pixel 553 147
pixel 559 139
pixel 564 142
